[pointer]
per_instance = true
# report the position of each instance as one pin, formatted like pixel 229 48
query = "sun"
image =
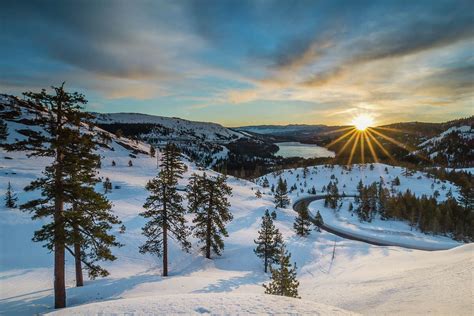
pixel 362 122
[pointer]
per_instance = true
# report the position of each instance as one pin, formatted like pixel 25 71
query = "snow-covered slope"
pixel 347 179
pixel 179 128
pixel 332 271
pixel 453 147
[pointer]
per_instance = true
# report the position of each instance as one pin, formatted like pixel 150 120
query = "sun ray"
pixel 390 139
pixel 371 147
pixel 347 143
pixel 389 129
pixel 362 149
pixel 385 151
pixel 354 146
pixel 337 140
pixel 338 130
pixel 406 147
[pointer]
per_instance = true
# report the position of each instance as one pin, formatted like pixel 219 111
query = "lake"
pixel 296 149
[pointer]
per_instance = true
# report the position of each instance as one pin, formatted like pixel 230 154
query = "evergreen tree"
pixel 130 163
pixel 265 183
pixel 152 151
pixel 3 131
pixel 281 197
pixel 107 186
pixel 89 219
pixel 302 222
pixel 382 195
pixel 208 200
pixel 10 197
pixel 62 134
pixel 466 197
pixel 268 242
pixel 164 208
pixel 283 279
pixel 305 172
pixel 318 221
pixel 258 194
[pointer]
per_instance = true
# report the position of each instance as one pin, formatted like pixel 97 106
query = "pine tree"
pixel 62 133
pixel 164 208
pixel 283 279
pixel 208 200
pixel 89 219
pixel 130 163
pixel 265 183
pixel 107 186
pixel 302 222
pixel 268 242
pixel 3 131
pixel 152 151
pixel 318 221
pixel 258 194
pixel 305 172
pixel 10 197
pixel 466 197
pixel 281 197
pixel 382 196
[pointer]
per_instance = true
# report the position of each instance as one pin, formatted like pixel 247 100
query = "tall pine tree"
pixel 164 208
pixel 281 196
pixel 269 241
pixel 207 199
pixel 283 280
pixel 59 115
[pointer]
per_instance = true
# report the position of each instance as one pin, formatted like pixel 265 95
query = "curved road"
pixel 298 205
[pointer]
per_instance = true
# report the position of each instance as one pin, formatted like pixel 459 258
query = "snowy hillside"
pixel 453 147
pixel 347 179
pixel 179 128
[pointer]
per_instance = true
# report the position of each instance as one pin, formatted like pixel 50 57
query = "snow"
pixel 378 230
pixel 181 128
pixel 359 277
pixel 387 231
pixel 208 304
pixel 465 131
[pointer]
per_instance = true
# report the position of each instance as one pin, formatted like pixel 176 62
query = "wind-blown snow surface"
pixel 211 303
pixel 360 278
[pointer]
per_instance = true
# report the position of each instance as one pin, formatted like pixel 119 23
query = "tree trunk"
pixel 165 250
pixel 77 259
pixel 266 263
pixel 165 236
pixel 59 254
pixel 59 238
pixel 208 233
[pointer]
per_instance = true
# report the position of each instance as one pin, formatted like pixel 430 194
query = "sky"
pixel 247 62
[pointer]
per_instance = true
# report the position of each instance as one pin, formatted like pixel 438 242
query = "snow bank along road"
pixel 305 201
